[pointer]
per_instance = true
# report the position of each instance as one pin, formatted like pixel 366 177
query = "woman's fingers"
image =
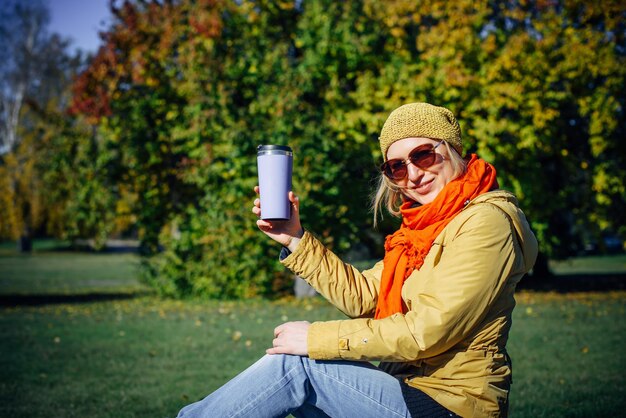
pixel 290 338
pixel 280 344
pixel 279 329
pixel 274 350
pixel 263 224
pixel 256 209
pixel 294 199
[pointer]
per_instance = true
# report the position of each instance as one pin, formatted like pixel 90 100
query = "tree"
pixel 538 88
pixel 550 115
pixel 35 73
pixel 182 93
pixel 130 91
pixel 22 32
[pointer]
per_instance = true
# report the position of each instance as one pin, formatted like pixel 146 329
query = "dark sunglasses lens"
pixel 423 157
pixel 394 169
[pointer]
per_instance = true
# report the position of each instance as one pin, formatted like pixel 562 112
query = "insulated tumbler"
pixel 275 163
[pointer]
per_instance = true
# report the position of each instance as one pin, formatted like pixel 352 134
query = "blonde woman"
pixel 436 311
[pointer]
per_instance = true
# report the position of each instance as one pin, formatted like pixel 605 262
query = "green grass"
pixel 568 355
pixel 139 358
pixel 147 357
pixel 67 273
pixel 48 271
pixel 590 264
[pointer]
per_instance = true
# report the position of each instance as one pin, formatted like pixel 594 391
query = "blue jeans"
pixel 279 385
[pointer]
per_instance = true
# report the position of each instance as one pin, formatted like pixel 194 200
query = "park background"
pixel 151 142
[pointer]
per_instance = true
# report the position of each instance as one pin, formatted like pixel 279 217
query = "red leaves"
pixel 90 97
pixel 207 23
pixel 142 42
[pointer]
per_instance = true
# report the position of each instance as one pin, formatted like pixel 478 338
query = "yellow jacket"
pixel 451 342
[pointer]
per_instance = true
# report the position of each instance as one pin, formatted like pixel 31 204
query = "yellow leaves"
pixel 9 223
pixel 22 203
pixel 455 76
pixel 397 32
pixel 543 116
pixel 506 95
pixel 598 145
pixel 394 13
pixel 237 336
pixel 489 44
pixel 286 5
pixel 603 182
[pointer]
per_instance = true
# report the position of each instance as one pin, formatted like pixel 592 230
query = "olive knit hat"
pixel 420 120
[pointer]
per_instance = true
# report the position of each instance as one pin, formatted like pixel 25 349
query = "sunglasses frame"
pixel 389 173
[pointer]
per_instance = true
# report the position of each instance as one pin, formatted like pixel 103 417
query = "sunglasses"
pixel 423 156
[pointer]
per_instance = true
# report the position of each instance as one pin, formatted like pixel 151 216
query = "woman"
pixel 436 311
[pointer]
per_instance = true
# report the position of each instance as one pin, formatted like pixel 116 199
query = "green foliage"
pixel 51 177
pixel 182 93
pixel 549 117
pixel 209 253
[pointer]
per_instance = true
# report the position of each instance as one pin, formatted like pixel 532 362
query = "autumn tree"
pixel 550 115
pixel 538 88
pixel 183 92
pixel 36 70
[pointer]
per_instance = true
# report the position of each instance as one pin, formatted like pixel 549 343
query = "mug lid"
pixel 273 148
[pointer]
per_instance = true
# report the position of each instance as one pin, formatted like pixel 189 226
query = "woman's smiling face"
pixel 422 185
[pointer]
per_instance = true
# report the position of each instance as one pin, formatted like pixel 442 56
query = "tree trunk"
pixel 540 276
pixel 25 244
pixel 302 289
pixel 541 268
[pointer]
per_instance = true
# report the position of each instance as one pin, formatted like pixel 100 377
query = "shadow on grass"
pixel 85 249
pixel 568 283
pixel 52 299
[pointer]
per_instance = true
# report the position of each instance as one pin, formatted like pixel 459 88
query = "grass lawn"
pixel 49 271
pixel 147 357
pixel 615 264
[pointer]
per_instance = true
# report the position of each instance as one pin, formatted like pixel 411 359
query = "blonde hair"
pixel 390 196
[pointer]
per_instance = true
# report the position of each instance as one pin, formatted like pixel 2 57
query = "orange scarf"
pixel 406 248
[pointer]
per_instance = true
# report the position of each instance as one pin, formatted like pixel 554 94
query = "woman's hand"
pixel 290 338
pixel 288 232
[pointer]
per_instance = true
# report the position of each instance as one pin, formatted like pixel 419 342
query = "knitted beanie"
pixel 420 120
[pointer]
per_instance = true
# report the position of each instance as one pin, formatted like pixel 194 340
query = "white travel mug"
pixel 275 165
